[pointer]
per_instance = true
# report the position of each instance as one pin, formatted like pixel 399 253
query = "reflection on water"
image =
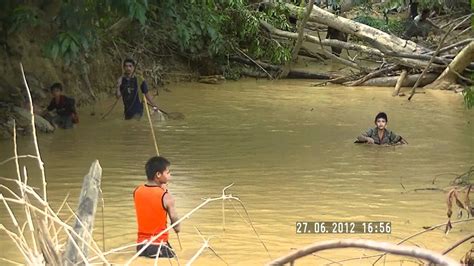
pixel 288 149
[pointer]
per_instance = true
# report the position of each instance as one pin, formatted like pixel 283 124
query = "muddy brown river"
pixel 287 147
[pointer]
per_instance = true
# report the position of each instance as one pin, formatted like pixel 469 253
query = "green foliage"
pixel 393 26
pixel 216 28
pixel 196 29
pixel 67 45
pixel 23 17
pixel 79 23
pixel 468 94
pixel 131 8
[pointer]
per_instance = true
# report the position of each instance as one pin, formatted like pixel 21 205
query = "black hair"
pixel 56 85
pixel 129 60
pixel 381 115
pixel 155 164
pixel 425 11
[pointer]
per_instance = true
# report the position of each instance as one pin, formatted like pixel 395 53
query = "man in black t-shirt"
pixel 61 111
pixel 132 88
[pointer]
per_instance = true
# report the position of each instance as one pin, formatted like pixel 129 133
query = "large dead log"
pixel 374 74
pixel 457 66
pixel 376 38
pixel 392 81
pixel 411 60
pixel 293 74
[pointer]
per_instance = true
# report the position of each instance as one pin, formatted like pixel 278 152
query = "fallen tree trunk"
pixel 293 74
pixel 405 59
pixel 298 74
pixel 392 81
pixel 376 38
pixel 253 74
pixel 374 74
pixel 450 74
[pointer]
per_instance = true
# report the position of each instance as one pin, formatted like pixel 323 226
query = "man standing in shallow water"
pixel 131 88
pixel 380 134
pixel 153 203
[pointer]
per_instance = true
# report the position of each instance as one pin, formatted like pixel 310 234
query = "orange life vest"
pixel 151 213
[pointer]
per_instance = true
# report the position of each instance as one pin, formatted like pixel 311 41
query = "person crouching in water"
pixel 380 134
pixel 153 203
pixel 65 115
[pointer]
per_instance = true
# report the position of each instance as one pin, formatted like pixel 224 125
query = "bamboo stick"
pixel 151 125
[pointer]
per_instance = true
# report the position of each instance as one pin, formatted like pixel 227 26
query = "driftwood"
pixel 214 79
pixel 85 215
pixel 374 74
pixel 377 38
pixel 392 81
pixel 429 63
pixel 400 81
pixel 453 46
pixel 294 74
pixel 403 58
pixel 460 62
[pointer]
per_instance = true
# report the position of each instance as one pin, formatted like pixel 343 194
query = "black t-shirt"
pixel 131 98
pixel 65 106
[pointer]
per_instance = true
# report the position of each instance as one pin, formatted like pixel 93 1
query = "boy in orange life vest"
pixel 153 203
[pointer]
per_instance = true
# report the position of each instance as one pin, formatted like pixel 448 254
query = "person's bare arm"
pixel 168 201
pixel 149 99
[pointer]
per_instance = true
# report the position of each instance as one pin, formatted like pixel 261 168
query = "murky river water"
pixel 287 147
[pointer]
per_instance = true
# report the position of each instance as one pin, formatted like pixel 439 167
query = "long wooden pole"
pixel 151 124
pixel 156 144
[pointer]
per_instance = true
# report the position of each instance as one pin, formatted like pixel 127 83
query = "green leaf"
pixel 74 48
pixel 54 50
pixel 65 44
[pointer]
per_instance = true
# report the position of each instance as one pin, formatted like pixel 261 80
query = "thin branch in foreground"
pixel 455 245
pixel 426 229
pixel 35 138
pixel 366 244
pixel 17 157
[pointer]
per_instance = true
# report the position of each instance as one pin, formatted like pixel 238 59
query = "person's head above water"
pixel 157 170
pixel 381 120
